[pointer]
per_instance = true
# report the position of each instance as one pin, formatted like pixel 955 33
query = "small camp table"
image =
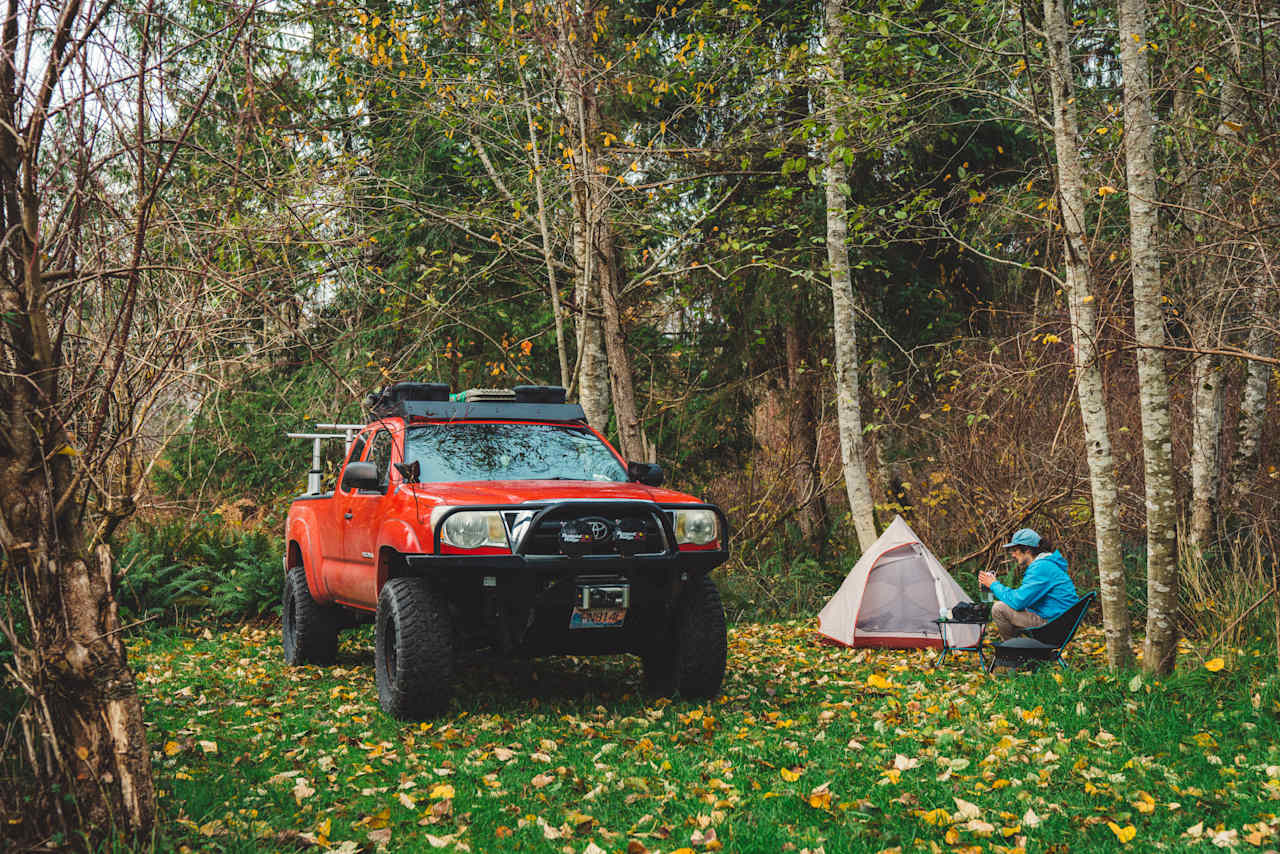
pixel 948 647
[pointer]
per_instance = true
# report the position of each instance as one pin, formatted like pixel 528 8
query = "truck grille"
pixel 545 538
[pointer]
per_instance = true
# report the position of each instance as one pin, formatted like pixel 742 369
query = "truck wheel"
pixel 413 650
pixel 659 663
pixel 693 660
pixel 309 630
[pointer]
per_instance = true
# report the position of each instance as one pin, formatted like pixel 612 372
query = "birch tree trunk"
pixel 593 366
pixel 1262 336
pixel 848 399
pixel 600 263
pixel 1161 646
pixel 1253 400
pixel 1206 440
pixel 1210 295
pixel 1090 391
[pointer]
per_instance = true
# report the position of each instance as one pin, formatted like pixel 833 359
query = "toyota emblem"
pixel 599 529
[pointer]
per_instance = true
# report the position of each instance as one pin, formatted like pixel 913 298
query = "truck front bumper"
pixel 529 602
pixel 700 562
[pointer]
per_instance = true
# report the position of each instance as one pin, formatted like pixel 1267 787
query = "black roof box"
pixel 390 400
pixel 539 393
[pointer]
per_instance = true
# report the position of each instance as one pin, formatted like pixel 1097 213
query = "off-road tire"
pixel 691 660
pixel 309 630
pixel 413 652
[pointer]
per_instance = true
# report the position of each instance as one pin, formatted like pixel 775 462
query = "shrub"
pixel 175 569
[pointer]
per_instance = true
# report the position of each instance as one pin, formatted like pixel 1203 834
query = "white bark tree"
pixel 593 365
pixel 1212 292
pixel 848 398
pixel 1253 400
pixel 1161 646
pixel 1090 391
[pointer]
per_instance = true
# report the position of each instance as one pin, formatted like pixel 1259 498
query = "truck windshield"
pixel 460 452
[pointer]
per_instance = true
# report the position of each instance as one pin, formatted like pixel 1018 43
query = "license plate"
pixel 596 618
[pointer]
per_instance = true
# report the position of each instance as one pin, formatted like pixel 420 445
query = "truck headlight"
pixel 696 527
pixel 474 529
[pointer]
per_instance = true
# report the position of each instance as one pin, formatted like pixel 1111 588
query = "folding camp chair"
pixel 1043 643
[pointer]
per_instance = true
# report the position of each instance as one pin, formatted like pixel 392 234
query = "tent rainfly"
pixel 892 596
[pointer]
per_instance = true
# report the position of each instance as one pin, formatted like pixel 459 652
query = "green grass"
pixel 810 746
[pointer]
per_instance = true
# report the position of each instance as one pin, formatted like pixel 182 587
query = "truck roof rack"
pixel 432 400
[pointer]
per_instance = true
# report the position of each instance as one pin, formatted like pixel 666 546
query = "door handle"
pixel 346 515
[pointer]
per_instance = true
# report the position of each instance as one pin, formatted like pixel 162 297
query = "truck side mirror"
pixel 360 476
pixel 650 474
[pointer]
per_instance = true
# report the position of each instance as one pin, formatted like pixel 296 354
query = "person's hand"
pixel 986 579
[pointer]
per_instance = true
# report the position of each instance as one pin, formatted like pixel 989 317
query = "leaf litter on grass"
pixel 810 747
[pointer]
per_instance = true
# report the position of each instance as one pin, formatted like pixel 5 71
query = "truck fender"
pixel 398 536
pixel 299 533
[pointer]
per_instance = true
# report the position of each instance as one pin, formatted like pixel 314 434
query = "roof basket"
pixel 478 395
pixel 389 400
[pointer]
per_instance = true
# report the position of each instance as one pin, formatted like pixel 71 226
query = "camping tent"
pixel 892 596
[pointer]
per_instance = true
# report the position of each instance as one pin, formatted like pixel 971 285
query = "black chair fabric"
pixel 1043 643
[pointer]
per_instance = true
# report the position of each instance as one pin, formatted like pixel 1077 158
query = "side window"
pixel 357 449
pixel 380 456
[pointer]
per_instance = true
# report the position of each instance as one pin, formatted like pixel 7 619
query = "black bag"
pixel 977 612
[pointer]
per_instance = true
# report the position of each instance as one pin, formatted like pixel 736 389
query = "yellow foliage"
pixel 1124 834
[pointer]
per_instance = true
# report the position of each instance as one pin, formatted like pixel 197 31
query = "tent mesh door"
pixel 900 597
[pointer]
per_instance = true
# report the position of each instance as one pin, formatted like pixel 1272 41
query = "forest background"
pixel 826 264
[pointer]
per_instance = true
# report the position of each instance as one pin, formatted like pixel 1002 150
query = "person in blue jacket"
pixel 1046 591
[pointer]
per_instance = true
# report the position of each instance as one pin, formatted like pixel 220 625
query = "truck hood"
pixel 522 491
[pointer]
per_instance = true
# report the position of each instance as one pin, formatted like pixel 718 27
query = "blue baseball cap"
pixel 1024 537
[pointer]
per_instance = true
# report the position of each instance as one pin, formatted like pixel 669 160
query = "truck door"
pixel 331 522
pixel 361 518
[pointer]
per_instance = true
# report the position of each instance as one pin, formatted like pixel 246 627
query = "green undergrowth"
pixel 811 746
pixel 172 569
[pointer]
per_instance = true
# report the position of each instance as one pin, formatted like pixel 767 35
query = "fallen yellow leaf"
pixel 441 791
pixel 1124 834
pixel 789 775
pixel 1213 665
pixel 875 680
pixel 937 817
pixel 820 802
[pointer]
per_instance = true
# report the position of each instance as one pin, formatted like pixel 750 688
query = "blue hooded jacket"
pixel 1046 588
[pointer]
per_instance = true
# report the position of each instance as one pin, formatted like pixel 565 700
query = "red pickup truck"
pixel 501 520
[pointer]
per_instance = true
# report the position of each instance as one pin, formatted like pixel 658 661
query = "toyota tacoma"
pixel 500 519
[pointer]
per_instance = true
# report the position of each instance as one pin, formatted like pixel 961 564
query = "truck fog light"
pixel 696 527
